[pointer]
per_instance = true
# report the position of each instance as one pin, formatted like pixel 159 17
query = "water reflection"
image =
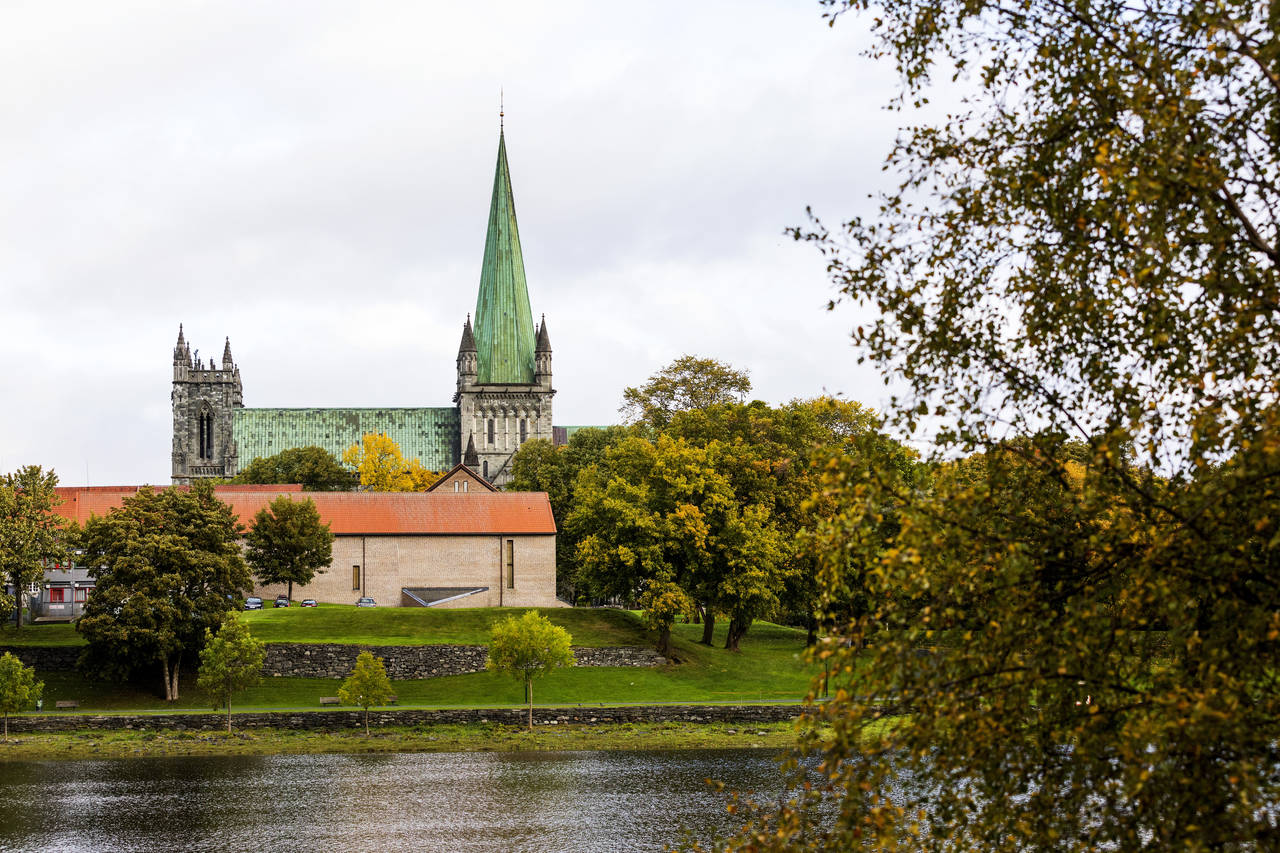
pixel 440 801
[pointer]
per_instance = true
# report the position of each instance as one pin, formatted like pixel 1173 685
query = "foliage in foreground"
pixel 528 647
pixel 230 662
pixel 19 690
pixel 288 543
pixel 30 532
pixel 1078 281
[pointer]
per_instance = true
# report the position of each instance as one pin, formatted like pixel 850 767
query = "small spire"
pixel 468 338
pixel 470 458
pixel 181 339
pixel 544 341
pixel 226 355
pixel 501 111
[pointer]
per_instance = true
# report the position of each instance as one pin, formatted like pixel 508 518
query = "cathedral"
pixel 503 395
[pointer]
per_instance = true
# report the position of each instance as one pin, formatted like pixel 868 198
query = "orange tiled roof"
pixel 363 513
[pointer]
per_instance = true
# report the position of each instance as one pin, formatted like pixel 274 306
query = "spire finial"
pixel 501 112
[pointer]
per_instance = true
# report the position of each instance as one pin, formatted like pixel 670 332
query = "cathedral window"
pixel 491 430
pixel 524 430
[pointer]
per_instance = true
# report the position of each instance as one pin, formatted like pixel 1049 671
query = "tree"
pixel 314 467
pixel 19 690
pixel 230 662
pixel 527 647
pixel 540 466
pixel 367 686
pixel 1084 251
pixel 288 543
pixel 30 531
pixel 383 468
pixel 166 566
pixel 687 383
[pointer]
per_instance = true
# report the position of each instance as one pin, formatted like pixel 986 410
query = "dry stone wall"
pixel 336 720
pixel 332 660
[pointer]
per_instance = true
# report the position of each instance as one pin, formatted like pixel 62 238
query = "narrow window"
pixel 465 484
pixel 524 430
pixel 457 485
pixel 355 577
pixel 511 564
pixel 490 430
pixel 486 469
pixel 82 594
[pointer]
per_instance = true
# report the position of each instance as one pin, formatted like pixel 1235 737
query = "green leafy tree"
pixel 1083 253
pixel 19 690
pixel 288 543
pixel 314 467
pixel 527 647
pixel 540 466
pixel 366 686
pixel 166 565
pixel 687 383
pixel 230 662
pixel 30 531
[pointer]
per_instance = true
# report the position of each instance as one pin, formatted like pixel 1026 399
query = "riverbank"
pixel 433 737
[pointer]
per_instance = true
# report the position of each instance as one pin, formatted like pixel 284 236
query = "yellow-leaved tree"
pixel 383 468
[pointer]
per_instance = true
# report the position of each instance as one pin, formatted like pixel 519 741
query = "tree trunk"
pixel 664 641
pixel 737 630
pixel 528 689
pixel 708 627
pixel 366 720
pixel 6 725
pixel 291 592
pixel 811 623
pixel 697 614
pixel 164 670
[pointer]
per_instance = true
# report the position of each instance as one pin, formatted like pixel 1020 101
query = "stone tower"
pixel 504 362
pixel 204 403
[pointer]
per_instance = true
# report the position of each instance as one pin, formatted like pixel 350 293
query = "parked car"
pixel 308 602
pixel 366 602
pixel 282 601
pixel 253 603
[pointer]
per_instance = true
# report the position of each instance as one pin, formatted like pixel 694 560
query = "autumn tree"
pixel 166 566
pixel 368 685
pixel 528 647
pixel 313 467
pixel 540 466
pixel 230 662
pixel 288 543
pixel 30 530
pixel 19 690
pixel 1084 252
pixel 383 468
pixel 687 383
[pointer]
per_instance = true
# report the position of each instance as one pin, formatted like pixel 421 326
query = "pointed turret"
pixel 227 363
pixel 470 458
pixel 504 332
pixel 468 338
pixel 544 342
pixel 181 352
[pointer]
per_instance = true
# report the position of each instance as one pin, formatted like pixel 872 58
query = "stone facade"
pixel 204 401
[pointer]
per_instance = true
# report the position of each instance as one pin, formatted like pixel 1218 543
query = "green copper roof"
pixel 429 435
pixel 504 324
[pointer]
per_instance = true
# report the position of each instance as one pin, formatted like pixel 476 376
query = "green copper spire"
pixel 504 324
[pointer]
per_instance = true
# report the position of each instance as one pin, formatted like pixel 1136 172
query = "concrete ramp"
pixel 430 596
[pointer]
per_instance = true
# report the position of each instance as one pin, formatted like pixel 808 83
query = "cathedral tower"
pixel 504 362
pixel 204 402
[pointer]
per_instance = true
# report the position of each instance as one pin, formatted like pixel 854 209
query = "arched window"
pixel 524 430
pixel 491 430
pixel 486 469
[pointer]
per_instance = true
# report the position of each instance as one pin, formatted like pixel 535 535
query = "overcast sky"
pixel 312 179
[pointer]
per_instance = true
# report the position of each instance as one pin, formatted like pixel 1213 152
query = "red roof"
pixel 362 513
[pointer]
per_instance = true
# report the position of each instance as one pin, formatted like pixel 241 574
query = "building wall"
pixel 390 563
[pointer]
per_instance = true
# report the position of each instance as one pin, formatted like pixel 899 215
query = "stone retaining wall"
pixel 335 660
pixel 332 660
pixel 48 658
pixel 334 720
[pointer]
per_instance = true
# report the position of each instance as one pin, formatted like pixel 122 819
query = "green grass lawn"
pixel 420 626
pixel 768 669
pixel 44 634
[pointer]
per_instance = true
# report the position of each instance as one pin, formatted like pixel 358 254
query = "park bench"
pixel 67 705
pixel 330 700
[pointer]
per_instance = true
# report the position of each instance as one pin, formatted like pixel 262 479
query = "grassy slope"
pixel 45 634
pixel 767 669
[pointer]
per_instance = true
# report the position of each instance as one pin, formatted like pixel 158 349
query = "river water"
pixel 533 801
